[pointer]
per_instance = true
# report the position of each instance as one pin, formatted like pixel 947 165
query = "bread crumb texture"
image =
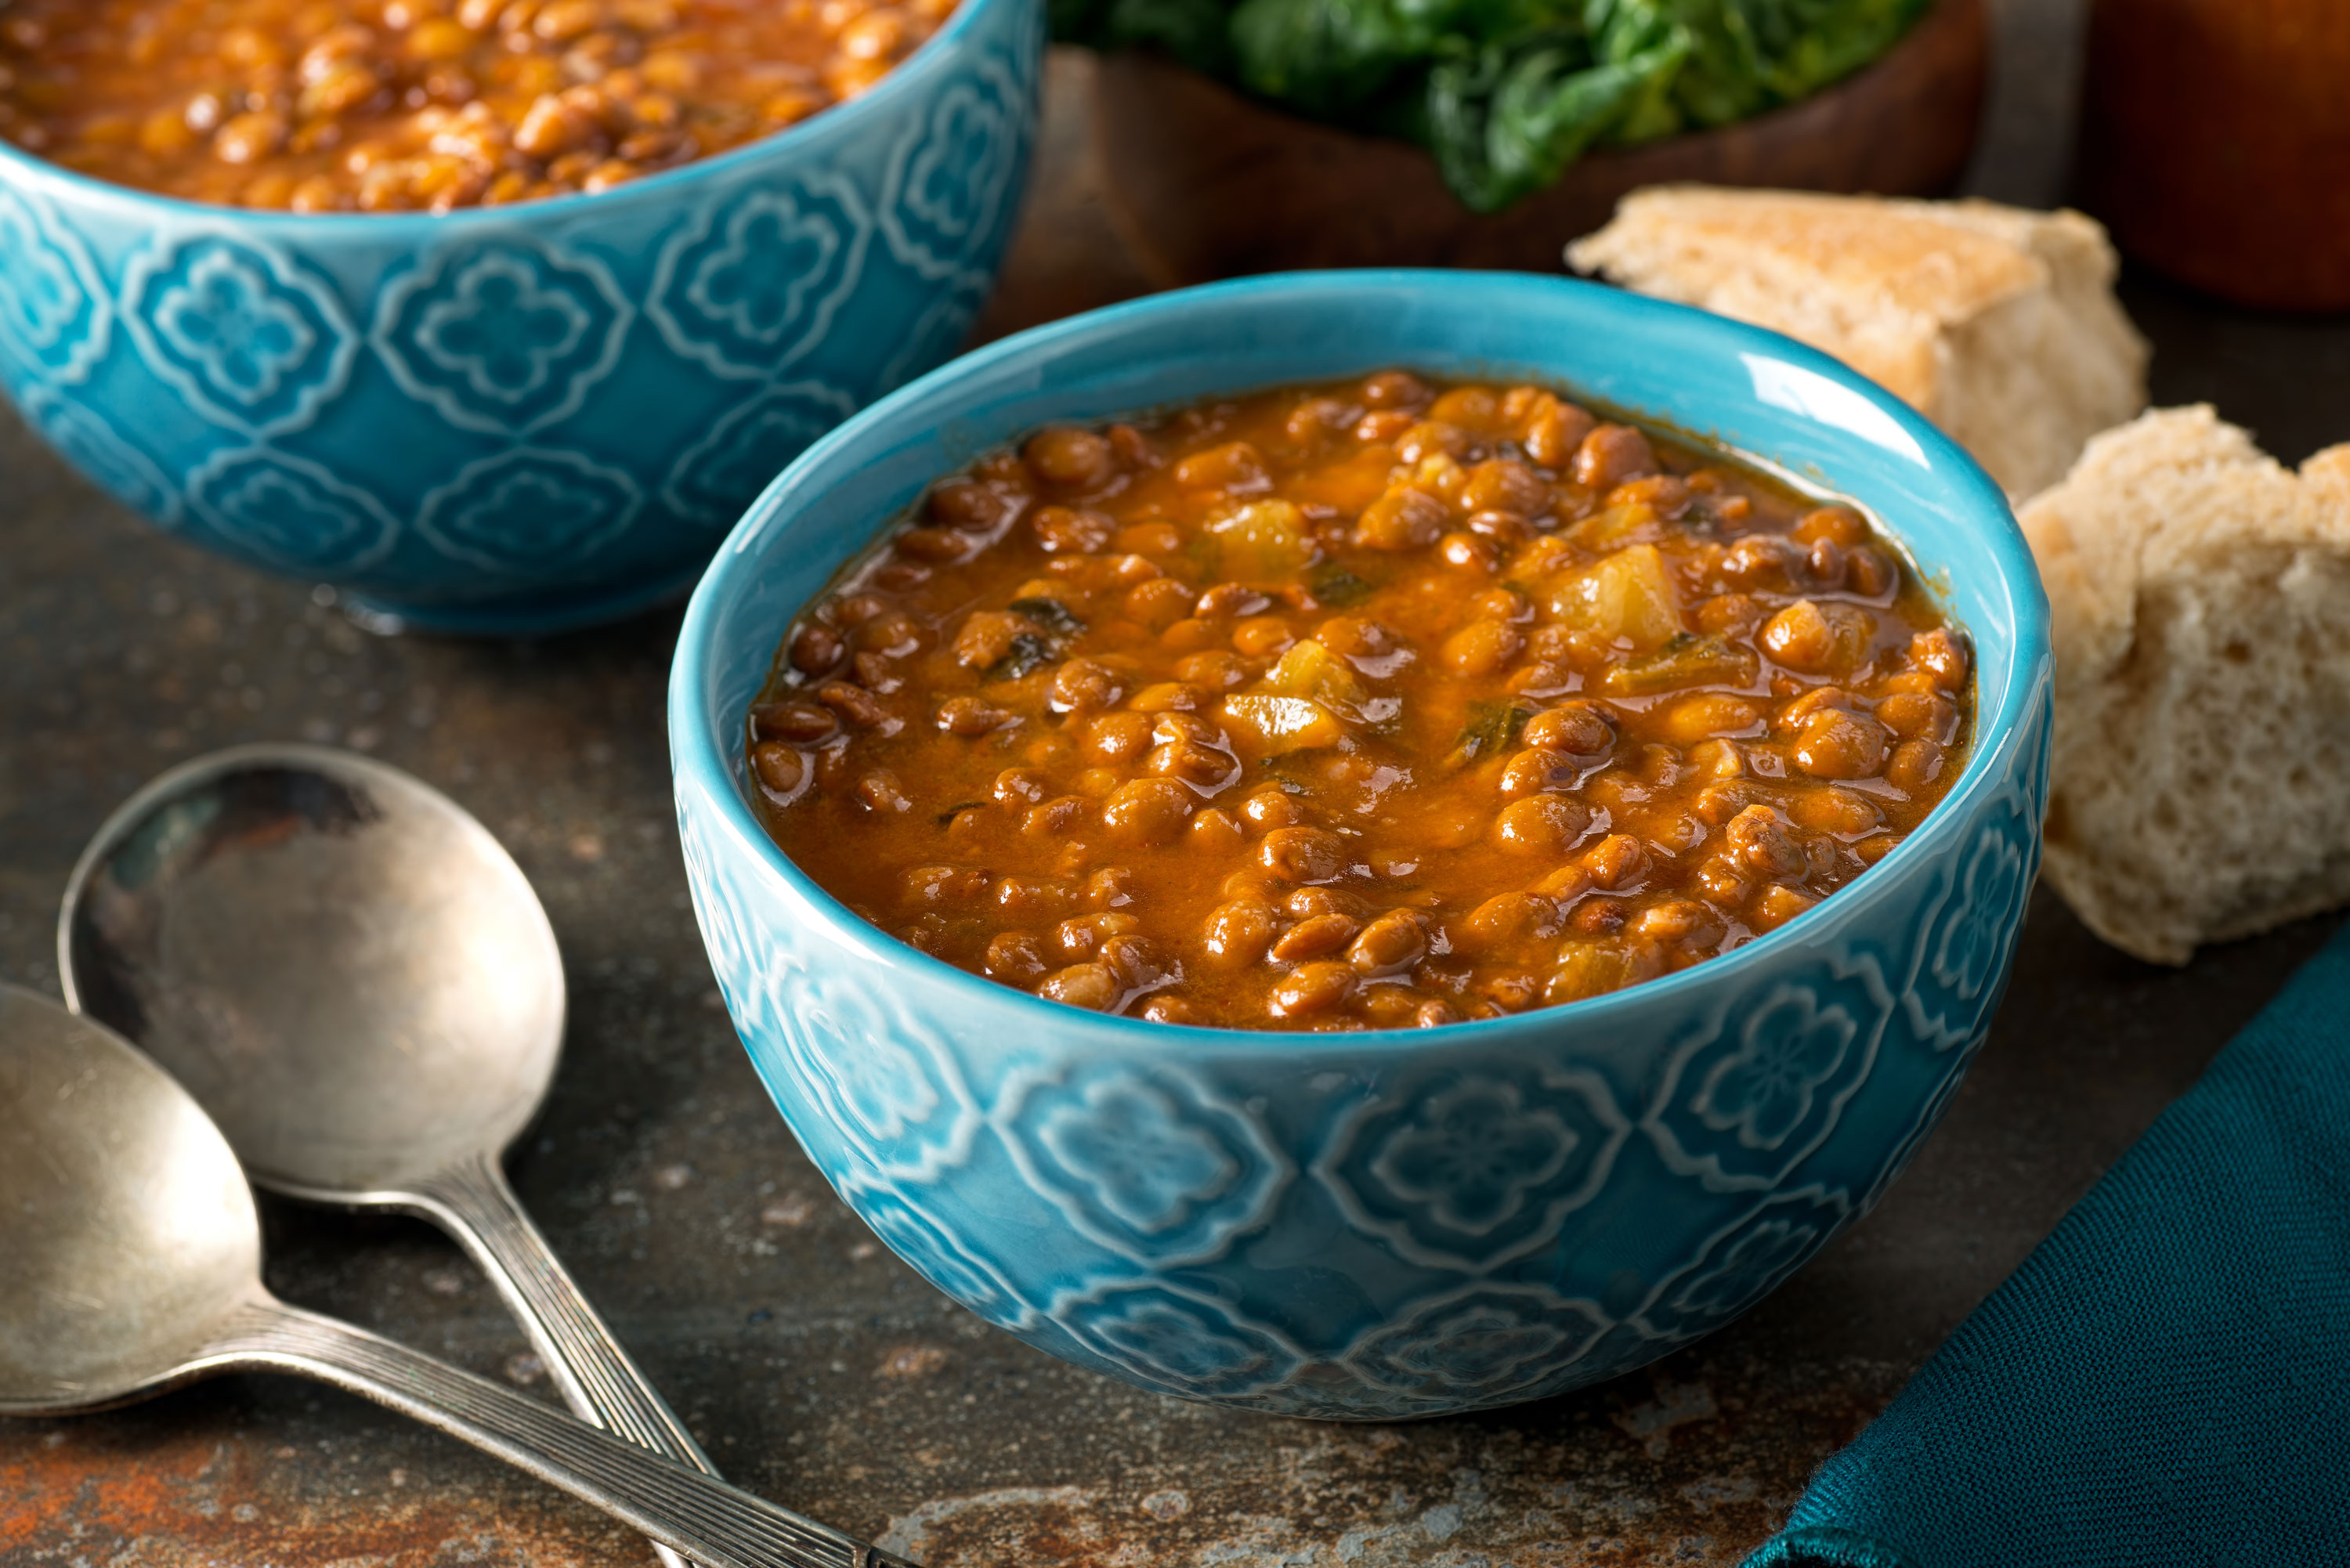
pixel 2200 596
pixel 1997 324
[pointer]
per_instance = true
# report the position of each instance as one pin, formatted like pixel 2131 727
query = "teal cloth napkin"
pixel 2167 1379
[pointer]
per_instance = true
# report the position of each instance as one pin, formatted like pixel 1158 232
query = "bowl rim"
pixel 841 120
pixel 698 761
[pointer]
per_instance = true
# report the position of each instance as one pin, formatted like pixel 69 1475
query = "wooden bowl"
pixel 1205 183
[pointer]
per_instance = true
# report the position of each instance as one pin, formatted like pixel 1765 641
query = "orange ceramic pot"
pixel 2216 144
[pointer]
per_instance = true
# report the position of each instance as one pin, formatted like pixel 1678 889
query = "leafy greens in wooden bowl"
pixel 1507 94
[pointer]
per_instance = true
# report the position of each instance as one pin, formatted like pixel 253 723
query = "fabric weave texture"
pixel 2167 1379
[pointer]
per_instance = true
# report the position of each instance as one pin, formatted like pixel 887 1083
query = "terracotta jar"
pixel 2215 143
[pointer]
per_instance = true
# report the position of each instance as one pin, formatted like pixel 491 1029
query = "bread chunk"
pixel 2201 600
pixel 1999 325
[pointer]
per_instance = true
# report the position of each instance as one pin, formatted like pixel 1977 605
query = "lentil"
pixel 426 105
pixel 1376 705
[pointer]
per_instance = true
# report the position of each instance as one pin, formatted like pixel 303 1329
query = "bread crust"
pixel 1997 323
pixel 2200 595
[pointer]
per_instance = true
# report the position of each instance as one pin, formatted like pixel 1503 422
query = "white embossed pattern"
pixel 950 174
pixel 1761 1084
pixel 945 1260
pixel 891 1087
pixel 1467 1170
pixel 530 512
pixel 1788 1051
pixel 938 330
pixel 1952 1065
pixel 250 337
pixel 502 336
pixel 1741 1263
pixel 53 313
pixel 887 1085
pixel 749 447
pixel 1969 937
pixel 92 445
pixel 1178 1341
pixel 1479 1345
pixel 751 288
pixel 292 513
pixel 1147 1161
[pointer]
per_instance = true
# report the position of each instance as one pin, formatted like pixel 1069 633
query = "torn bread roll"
pixel 2201 596
pixel 1999 325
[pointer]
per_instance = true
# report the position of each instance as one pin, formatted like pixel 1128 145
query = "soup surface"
pixel 397 105
pixel 1374 704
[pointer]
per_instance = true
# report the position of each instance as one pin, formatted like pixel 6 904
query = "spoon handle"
pixel 704 1518
pixel 473 1203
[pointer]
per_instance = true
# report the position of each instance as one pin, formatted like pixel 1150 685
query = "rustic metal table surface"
pixel 817 1370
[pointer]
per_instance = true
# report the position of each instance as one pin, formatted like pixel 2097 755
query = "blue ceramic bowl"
pixel 1396 1223
pixel 517 419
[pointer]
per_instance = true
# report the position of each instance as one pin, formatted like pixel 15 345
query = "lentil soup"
pixel 401 105
pixel 1374 704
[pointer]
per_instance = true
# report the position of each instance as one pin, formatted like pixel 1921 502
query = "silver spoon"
pixel 134 1265
pixel 352 975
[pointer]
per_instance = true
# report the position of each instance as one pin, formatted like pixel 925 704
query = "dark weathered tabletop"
pixel 815 1368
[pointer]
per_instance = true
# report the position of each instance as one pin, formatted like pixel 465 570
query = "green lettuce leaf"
pixel 1507 94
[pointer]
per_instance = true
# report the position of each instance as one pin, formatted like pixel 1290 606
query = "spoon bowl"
pixel 345 968
pixel 130 1233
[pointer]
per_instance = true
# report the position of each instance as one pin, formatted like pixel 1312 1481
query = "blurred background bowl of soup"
pixel 1391 1223
pixel 509 417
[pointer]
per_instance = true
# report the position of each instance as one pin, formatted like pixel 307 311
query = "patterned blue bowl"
pixel 1402 1223
pixel 517 419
